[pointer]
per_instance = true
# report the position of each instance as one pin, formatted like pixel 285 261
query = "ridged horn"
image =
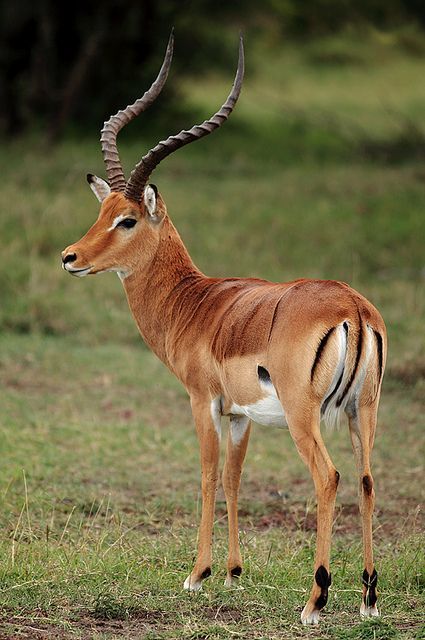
pixel 140 174
pixel 113 126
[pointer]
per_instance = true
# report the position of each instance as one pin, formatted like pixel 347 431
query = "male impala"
pixel 286 354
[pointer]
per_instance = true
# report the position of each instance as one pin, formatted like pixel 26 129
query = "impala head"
pixel 132 211
pixel 125 233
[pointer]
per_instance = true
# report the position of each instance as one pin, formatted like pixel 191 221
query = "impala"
pixel 282 354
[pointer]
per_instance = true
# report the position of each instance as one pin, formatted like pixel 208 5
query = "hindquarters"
pixel 358 371
pixel 328 349
pixel 331 361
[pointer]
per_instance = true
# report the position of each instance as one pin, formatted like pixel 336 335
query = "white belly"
pixel 268 411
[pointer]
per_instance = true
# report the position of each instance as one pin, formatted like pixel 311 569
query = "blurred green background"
pixel 320 172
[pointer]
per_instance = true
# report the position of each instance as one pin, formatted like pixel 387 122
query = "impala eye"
pixel 127 223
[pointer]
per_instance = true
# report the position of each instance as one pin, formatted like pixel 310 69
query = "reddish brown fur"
pixel 213 333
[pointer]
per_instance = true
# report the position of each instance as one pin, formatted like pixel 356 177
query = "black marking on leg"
pixel 324 581
pixel 206 573
pixel 323 578
pixel 367 483
pixel 319 351
pixel 370 582
pixel 356 363
pixel 264 375
pixel 236 572
pixel 322 600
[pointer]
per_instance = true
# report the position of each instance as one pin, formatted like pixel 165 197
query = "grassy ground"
pixel 319 174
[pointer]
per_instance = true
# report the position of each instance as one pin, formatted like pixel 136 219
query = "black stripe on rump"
pixel 320 348
pixel 338 384
pixel 356 364
pixel 379 346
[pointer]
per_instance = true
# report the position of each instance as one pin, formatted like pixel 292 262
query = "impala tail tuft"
pixel 331 409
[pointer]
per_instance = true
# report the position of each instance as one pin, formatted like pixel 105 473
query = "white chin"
pixel 79 273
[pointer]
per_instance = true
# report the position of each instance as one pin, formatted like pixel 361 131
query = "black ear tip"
pixel 154 187
pixel 90 178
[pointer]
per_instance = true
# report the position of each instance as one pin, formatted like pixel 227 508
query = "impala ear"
pixel 150 199
pixel 100 187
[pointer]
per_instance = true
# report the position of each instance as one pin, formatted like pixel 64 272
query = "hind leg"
pixel 306 434
pixel 362 431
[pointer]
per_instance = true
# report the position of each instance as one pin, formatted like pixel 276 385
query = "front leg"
pixel 208 426
pixel 237 443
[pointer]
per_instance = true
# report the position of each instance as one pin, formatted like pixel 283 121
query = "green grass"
pixel 99 481
pixel 100 499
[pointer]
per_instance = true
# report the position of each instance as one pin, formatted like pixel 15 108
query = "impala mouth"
pixel 77 272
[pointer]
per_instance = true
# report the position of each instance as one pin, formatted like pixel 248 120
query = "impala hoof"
pixel 311 617
pixel 231 581
pixel 192 584
pixel 369 612
pixel 233 576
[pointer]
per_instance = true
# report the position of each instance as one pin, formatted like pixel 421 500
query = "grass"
pixel 99 482
pixel 100 498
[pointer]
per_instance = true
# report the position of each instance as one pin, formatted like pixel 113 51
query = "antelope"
pixel 288 354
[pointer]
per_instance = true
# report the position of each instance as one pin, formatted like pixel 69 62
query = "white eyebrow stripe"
pixel 116 221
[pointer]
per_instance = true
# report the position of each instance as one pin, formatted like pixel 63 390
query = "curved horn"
pixel 141 172
pixel 113 126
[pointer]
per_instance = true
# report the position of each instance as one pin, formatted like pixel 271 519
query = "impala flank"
pixel 282 354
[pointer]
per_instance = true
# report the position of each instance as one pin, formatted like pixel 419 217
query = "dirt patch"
pixel 223 614
pixel 134 626
pixel 290 518
pixel 288 508
pixel 31 630
pixel 297 517
pixel 85 625
pixel 117 612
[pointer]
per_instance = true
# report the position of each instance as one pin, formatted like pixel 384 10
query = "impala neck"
pixel 150 287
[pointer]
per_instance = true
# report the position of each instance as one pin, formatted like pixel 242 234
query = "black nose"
pixel 70 257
